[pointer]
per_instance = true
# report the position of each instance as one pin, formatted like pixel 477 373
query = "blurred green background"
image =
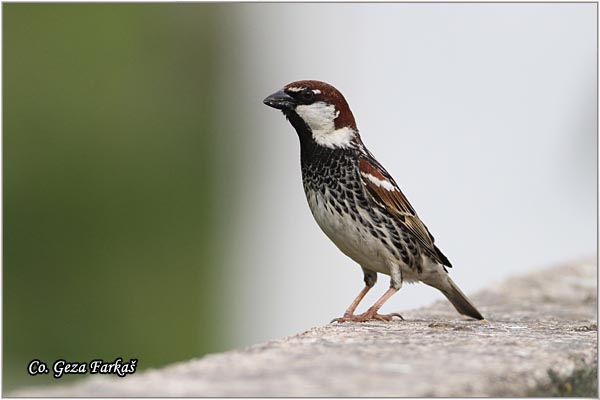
pixel 111 239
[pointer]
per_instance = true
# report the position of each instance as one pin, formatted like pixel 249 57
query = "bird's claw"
pixel 367 317
pixel 387 317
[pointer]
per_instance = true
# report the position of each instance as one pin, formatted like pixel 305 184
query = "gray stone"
pixel 539 339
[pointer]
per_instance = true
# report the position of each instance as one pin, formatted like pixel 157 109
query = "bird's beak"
pixel 280 100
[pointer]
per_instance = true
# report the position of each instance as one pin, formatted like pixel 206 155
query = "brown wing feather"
pixel 396 203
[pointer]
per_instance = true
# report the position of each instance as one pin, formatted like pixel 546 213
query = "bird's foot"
pixel 367 316
pixel 387 317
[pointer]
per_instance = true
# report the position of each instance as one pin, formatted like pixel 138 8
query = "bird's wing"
pixel 386 193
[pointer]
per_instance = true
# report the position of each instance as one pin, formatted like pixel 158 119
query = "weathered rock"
pixel 540 339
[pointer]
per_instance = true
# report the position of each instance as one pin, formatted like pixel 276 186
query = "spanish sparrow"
pixel 357 203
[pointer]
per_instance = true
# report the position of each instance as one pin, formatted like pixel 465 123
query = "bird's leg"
pixel 349 314
pixel 371 313
pixel 370 278
pixel 352 307
pixel 395 285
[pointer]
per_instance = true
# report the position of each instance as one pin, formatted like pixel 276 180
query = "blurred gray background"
pixel 154 205
pixel 485 114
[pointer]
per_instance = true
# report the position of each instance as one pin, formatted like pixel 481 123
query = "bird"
pixel 357 203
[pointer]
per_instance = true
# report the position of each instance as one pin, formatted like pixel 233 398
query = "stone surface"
pixel 541 332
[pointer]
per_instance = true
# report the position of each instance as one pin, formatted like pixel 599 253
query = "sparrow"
pixel 357 203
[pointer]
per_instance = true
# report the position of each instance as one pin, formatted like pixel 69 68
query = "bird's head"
pixel 317 110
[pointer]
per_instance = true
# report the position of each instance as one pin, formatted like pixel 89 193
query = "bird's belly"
pixel 349 235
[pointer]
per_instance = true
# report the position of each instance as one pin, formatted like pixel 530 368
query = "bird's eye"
pixel 307 95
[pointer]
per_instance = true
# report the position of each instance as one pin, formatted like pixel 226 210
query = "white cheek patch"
pixel 320 118
pixel 387 185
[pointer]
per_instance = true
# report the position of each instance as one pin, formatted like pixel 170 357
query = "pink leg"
pixel 372 311
pixel 357 300
pixel 352 307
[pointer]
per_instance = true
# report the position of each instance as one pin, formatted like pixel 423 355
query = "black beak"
pixel 280 100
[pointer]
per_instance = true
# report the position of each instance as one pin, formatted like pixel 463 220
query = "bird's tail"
pixel 458 299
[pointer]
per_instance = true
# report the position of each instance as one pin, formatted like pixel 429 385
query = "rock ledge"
pixel 540 340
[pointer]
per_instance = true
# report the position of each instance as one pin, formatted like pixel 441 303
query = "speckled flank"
pixel 360 229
